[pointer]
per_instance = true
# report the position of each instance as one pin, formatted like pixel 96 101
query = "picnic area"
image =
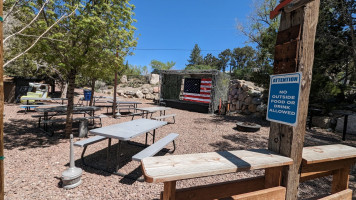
pixel 107 100
pixel 36 161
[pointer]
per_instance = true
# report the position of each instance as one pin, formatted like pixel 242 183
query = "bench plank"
pixel 276 193
pixel 324 153
pixel 89 141
pixel 164 116
pixel 154 148
pixel 343 195
pixel 179 167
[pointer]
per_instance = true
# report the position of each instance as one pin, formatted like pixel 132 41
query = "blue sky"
pixel 179 24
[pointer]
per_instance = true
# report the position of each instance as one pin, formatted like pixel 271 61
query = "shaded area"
pixel 241 141
pixel 23 134
pixel 97 162
pixel 238 118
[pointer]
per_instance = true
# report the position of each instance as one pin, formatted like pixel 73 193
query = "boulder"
pixel 256 101
pixel 154 79
pixel 121 92
pixel 145 91
pixel 155 89
pixel 351 124
pixel 156 97
pixel 139 94
pixel 248 100
pixel 123 79
pixel 255 93
pixel 261 108
pixel 252 108
pixel 130 92
pixel 149 96
pixel 146 86
pixel 321 121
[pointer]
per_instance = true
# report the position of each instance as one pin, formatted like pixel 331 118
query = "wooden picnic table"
pixel 125 132
pixel 335 160
pixel 169 169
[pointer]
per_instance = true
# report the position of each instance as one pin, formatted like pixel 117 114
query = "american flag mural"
pixel 197 90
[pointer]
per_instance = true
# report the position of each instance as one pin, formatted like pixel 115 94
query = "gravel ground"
pixel 34 161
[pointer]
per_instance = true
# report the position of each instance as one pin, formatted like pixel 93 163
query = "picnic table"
pixel 147 110
pixel 63 109
pixel 130 104
pixel 28 106
pixel 169 169
pixel 125 132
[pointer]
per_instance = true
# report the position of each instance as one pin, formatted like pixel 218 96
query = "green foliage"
pixel 199 67
pixel 158 65
pixel 195 57
pixel 135 70
pixel 224 59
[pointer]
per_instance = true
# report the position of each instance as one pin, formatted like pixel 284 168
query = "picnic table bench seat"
pixel 156 147
pixel 86 142
pixel 165 116
pixel 172 168
pixel 335 160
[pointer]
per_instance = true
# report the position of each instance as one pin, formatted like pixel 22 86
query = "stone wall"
pixel 245 97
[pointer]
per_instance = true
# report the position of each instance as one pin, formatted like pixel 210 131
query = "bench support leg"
pixel 82 156
pixel 340 180
pixel 154 134
pixel 273 177
pixel 146 139
pixel 118 154
pixel 108 153
pixel 169 191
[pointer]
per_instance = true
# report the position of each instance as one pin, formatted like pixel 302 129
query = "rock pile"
pixel 245 97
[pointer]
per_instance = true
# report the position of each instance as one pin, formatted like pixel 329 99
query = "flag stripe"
pixel 191 92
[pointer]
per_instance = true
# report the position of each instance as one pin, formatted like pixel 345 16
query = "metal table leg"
pixel 346 117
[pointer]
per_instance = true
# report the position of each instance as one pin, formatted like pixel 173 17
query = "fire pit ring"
pixel 247 126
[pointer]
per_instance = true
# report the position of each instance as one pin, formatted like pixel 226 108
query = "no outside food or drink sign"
pixel 283 98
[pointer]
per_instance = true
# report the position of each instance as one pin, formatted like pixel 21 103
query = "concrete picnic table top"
pixel 154 109
pixel 64 108
pixel 128 130
pixel 42 99
pixel 124 102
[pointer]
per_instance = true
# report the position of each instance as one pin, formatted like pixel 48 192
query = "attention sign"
pixel 283 98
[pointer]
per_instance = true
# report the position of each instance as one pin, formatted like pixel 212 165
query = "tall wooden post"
pixel 283 139
pixel 2 178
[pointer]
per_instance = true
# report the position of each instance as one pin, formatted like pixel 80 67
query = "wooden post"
pixel 169 192
pixel 283 139
pixel 2 179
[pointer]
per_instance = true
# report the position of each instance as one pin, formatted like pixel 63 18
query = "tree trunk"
pixel 70 96
pixel 2 179
pixel 64 90
pixel 114 103
pixel 92 92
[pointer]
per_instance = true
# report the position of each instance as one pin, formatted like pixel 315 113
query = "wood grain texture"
pixel 273 177
pixel 169 191
pixel 221 190
pixel 313 175
pixel 287 140
pixel 317 154
pixel 275 193
pixel 328 166
pixel 340 180
pixel 343 195
pixel 178 167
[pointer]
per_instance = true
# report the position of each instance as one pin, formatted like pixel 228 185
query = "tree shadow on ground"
pixel 240 118
pixel 241 141
pixel 316 137
pixel 97 162
pixel 23 134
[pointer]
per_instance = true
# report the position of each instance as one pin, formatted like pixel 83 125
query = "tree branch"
pixel 42 37
pixel 11 9
pixel 33 20
pixel 39 37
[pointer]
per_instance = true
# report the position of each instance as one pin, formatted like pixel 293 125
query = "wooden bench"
pixel 165 116
pixel 85 143
pixel 335 160
pixel 172 168
pixel 156 147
